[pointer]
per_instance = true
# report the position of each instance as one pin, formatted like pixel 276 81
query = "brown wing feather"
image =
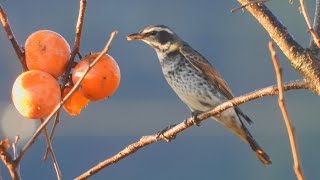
pixel 202 65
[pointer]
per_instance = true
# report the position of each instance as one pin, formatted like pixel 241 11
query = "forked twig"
pixel 7 159
pixel 56 121
pixel 146 140
pixel 281 102
pixel 50 149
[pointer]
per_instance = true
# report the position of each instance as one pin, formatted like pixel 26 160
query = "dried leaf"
pixel 5 144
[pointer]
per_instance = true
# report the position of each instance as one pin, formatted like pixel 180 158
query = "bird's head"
pixel 159 37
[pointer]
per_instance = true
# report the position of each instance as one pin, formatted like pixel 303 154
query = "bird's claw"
pixel 161 132
pixel 195 118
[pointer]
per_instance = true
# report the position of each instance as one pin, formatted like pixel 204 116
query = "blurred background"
pixel 235 43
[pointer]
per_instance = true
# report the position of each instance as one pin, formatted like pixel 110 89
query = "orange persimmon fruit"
pixel 101 81
pixel 47 51
pixel 35 94
pixel 75 103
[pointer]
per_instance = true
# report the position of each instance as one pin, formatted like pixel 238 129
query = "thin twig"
pixel 76 86
pixel 247 4
pixel 78 32
pixel 281 102
pixel 310 28
pixel 77 40
pixel 7 159
pixel 56 121
pixel 74 52
pixel 50 149
pixel 146 140
pixel 316 27
pixel 17 49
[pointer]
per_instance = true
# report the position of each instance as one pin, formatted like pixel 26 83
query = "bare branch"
pixel 301 59
pixel 17 49
pixel 316 26
pixel 75 51
pixel 46 121
pixel 281 102
pixel 310 28
pixel 50 149
pixel 146 140
pixel 7 159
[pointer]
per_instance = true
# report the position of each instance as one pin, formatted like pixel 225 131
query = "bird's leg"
pixel 161 132
pixel 194 115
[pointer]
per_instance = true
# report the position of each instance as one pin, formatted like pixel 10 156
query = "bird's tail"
pixel 245 136
pixel 262 156
pixel 235 124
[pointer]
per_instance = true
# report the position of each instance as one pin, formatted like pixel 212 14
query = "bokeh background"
pixel 144 104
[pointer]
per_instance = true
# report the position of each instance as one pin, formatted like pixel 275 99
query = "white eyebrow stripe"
pixel 158 29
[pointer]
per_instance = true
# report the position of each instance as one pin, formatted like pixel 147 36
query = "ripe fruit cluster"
pixel 36 92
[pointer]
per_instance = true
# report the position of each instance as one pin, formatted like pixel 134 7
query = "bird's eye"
pixel 153 33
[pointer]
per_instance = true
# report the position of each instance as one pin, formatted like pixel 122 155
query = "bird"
pixel 196 82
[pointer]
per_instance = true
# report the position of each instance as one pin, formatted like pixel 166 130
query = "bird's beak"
pixel 135 36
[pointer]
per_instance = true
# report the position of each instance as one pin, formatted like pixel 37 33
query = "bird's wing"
pixel 202 65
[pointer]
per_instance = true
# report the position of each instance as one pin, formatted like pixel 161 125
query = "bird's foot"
pixel 194 115
pixel 161 133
